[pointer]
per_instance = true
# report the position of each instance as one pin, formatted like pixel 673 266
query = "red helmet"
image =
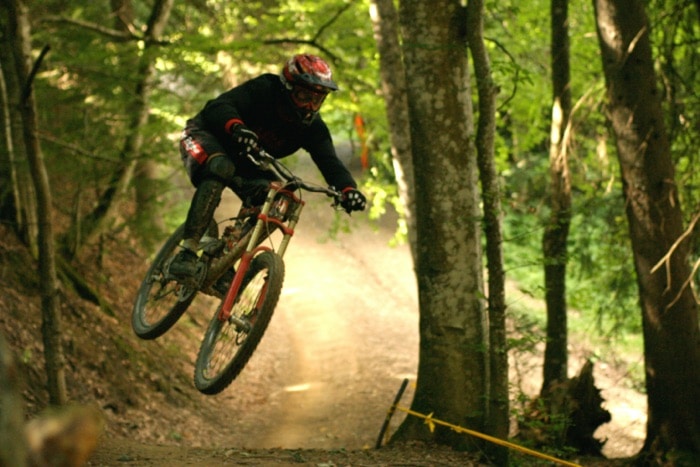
pixel 309 71
pixel 307 79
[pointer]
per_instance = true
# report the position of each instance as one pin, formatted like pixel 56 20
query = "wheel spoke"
pixel 160 300
pixel 228 344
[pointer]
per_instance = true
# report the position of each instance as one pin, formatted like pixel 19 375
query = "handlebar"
pixel 269 163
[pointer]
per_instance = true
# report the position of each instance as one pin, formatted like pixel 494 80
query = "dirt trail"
pixel 346 320
pixel 343 337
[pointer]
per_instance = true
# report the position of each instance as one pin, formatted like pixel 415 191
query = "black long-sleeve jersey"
pixel 260 104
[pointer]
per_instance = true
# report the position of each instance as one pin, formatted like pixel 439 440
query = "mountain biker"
pixel 276 113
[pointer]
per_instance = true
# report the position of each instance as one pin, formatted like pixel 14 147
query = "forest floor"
pixel 316 391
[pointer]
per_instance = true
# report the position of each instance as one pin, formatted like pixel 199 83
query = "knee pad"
pixel 221 167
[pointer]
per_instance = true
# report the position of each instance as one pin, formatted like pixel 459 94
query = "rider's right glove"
pixel 247 142
pixel 353 200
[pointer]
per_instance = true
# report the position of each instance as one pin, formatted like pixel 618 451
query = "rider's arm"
pixel 234 106
pixel 319 145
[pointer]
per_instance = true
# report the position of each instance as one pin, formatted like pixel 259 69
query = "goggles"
pixel 307 98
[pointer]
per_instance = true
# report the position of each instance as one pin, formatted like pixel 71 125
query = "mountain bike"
pixel 242 267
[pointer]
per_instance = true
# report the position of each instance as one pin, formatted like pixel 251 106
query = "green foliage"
pixel 675 33
pixel 599 267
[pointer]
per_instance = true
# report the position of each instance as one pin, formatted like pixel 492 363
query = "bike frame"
pixel 262 226
pixel 281 210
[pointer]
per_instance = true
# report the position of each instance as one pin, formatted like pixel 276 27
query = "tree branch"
pixel 667 257
pixel 667 261
pixel 330 55
pixel 109 32
pixel 123 36
pixel 517 68
pixel 328 23
pixel 35 68
pixel 314 40
pixel 76 149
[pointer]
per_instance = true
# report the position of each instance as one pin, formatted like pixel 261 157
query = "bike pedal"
pixel 190 282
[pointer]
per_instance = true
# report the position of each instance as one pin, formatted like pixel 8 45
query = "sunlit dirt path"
pixel 354 324
pixel 344 336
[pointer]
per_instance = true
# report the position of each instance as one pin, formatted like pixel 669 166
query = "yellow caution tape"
pixel 431 422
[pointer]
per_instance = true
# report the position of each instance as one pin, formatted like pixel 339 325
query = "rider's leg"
pixel 204 202
pixel 210 184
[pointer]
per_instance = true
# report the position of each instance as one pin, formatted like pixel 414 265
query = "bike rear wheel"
pixel 227 346
pixel 161 300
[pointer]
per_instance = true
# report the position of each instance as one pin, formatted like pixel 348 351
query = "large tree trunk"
pixel 452 370
pixel 556 231
pixel 498 419
pixel 20 36
pixel 385 21
pixel 669 311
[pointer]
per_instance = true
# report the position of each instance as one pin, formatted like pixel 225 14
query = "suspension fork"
pixel 251 250
pixel 243 266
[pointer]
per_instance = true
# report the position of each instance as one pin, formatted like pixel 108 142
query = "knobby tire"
pixel 160 302
pixel 225 349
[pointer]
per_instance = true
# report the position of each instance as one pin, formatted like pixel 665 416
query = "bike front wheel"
pixel 228 345
pixel 161 300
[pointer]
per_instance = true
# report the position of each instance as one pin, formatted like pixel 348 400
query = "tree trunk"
pixel 452 370
pixel 17 197
pixel 20 36
pixel 385 22
pixel 145 172
pixel 108 207
pixel 498 419
pixel 556 231
pixel 669 311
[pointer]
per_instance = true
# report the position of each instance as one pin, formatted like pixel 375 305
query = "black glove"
pixel 247 142
pixel 353 200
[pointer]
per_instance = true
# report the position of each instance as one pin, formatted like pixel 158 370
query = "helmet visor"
pixel 304 97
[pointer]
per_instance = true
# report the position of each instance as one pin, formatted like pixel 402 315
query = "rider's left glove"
pixel 353 200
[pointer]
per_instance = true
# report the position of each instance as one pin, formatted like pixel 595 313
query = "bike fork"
pixel 230 298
